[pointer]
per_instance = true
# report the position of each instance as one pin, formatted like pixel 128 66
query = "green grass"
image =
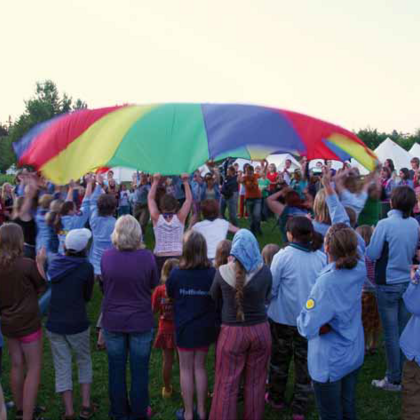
pixel 371 404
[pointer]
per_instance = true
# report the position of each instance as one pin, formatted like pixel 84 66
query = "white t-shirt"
pixel 214 232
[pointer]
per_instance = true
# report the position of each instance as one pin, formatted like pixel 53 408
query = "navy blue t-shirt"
pixel 195 310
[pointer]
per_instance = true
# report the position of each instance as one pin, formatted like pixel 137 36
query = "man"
pixel 141 210
pixel 230 191
pixel 287 176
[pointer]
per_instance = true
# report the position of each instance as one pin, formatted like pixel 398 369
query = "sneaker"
pixel 386 385
pixel 167 393
pixel 276 406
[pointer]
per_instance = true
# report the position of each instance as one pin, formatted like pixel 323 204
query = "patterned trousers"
pixel 288 343
pixel 241 351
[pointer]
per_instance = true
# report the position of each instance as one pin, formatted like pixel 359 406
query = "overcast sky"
pixel 355 63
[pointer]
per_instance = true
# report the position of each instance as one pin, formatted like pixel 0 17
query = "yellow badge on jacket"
pixel 310 304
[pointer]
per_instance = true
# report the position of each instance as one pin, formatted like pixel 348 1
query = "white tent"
pixel 391 150
pixel 335 164
pixel 279 161
pixel 122 174
pixel 415 150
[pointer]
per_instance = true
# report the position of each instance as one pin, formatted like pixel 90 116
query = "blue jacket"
pixel 102 228
pixel 355 201
pixel 295 270
pixel 393 246
pixel 45 235
pixel 71 287
pixel 410 338
pixel 75 221
pixel 204 190
pixel 336 300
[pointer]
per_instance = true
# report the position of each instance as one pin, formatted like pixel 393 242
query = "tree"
pixel 45 104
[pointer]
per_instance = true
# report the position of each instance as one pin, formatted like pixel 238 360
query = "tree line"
pixel 47 102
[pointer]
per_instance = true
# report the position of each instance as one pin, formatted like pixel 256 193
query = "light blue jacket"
pixel 44 232
pixel 410 338
pixel 335 300
pixel 102 228
pixel 355 201
pixel 393 246
pixel 295 270
pixel 75 221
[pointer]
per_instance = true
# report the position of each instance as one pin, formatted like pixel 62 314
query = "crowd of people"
pixel 343 271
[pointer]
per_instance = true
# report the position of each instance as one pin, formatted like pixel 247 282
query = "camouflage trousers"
pixel 287 343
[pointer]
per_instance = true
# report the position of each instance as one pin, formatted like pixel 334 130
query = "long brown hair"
pixel 11 243
pixel 341 244
pixel 240 277
pixel 194 252
pixel 222 253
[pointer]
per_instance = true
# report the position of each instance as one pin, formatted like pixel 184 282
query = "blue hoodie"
pixel 336 300
pixel 72 280
pixel 410 338
pixel 45 235
pixel 393 246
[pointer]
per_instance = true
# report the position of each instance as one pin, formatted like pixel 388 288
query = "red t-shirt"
pixel 272 177
pixel 161 303
pixel 252 189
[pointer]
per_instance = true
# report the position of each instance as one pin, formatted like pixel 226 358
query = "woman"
pixel 212 227
pixel 405 178
pixel 68 329
pixel 331 321
pixel 168 222
pixel 210 189
pixel 21 282
pixel 195 320
pixel 242 288
pixel 388 184
pixel 129 276
pixel 7 198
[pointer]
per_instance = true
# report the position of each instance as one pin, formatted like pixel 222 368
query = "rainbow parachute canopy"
pixel 178 138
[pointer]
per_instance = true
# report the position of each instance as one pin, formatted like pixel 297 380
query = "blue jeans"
pixel 394 317
pixel 253 207
pixel 119 346
pixel 232 206
pixel 337 400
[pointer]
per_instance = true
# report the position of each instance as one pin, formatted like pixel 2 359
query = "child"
pixel 410 345
pixel 123 201
pixel 294 269
pixel 393 247
pixel 165 338
pixel 222 253
pixel 195 320
pixel 268 253
pixel 370 314
pixel 331 321
pixel 68 327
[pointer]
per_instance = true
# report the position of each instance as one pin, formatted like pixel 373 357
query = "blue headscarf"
pixel 246 250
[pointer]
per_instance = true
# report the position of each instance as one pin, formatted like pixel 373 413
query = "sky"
pixel 354 63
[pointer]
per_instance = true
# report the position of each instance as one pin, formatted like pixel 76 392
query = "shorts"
pixel 203 349
pixel 31 338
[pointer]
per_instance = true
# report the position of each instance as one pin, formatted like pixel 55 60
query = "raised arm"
pixel 274 204
pixel 186 207
pixel 30 193
pixel 151 199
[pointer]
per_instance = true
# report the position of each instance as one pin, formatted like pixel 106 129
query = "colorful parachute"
pixel 176 138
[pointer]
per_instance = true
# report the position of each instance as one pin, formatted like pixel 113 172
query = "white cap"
pixel 77 239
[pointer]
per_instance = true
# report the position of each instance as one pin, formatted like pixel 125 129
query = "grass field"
pixel 371 404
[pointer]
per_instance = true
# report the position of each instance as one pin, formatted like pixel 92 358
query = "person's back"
pixel 128 279
pixel 169 232
pixel 72 280
pixel 295 270
pixel 256 293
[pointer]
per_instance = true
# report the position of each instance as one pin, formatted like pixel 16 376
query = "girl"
pixel 242 288
pixel 222 253
pixel 388 184
pixel 268 253
pixel 68 329
pixel 22 280
pixel 405 178
pixel 393 247
pixel 331 322
pixel 165 338
pixel 294 269
pixel 370 314
pixel 168 221
pixel 195 320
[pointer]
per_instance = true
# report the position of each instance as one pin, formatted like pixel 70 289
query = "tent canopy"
pixel 391 150
pixel 415 150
